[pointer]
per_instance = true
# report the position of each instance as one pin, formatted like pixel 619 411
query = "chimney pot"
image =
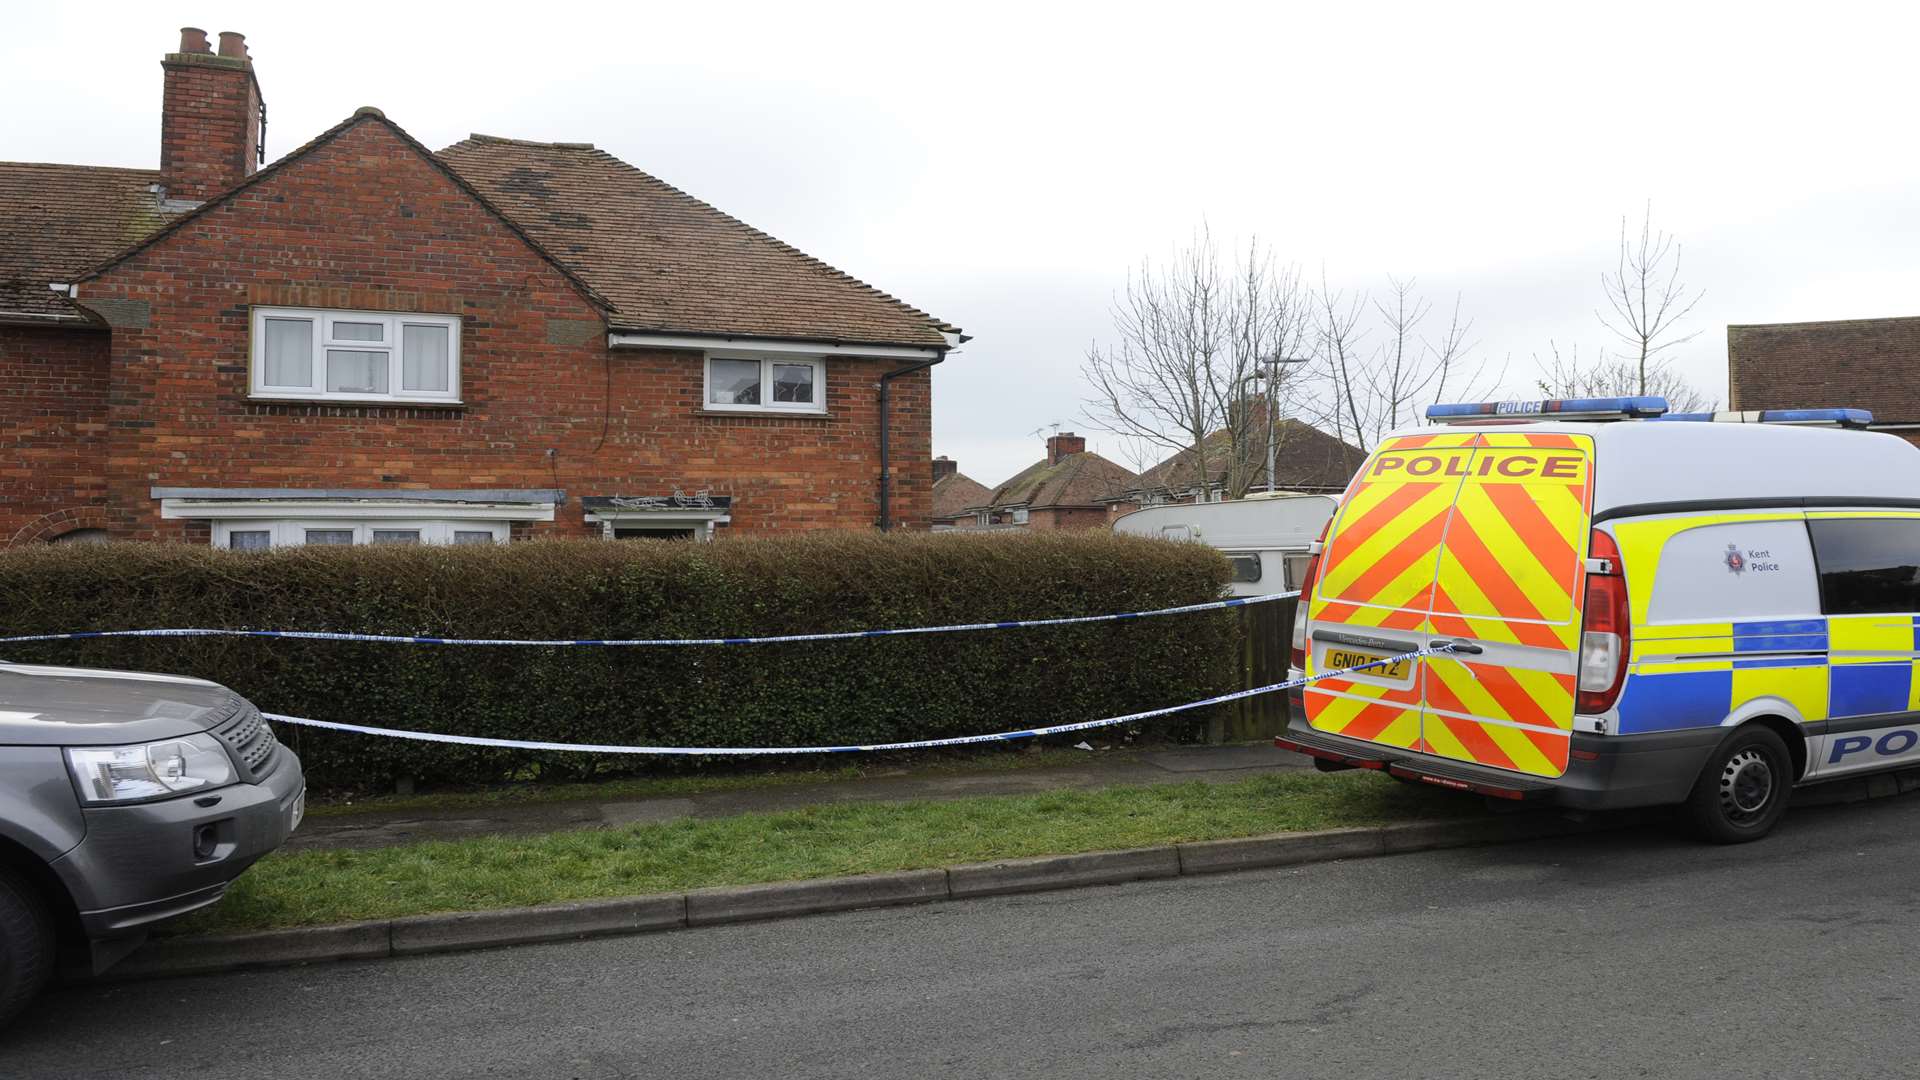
pixel 232 44
pixel 194 40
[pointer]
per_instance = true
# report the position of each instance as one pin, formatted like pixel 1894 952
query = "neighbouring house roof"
pixel 1307 459
pixel 656 258
pixel 669 262
pixel 957 493
pixel 58 219
pixel 1083 479
pixel 1871 364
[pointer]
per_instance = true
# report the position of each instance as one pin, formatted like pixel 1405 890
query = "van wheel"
pixel 26 944
pixel 1744 788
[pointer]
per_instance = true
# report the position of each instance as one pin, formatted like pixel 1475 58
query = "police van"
pixel 1620 607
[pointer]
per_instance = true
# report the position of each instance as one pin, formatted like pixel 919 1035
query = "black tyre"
pixel 1744 787
pixel 26 944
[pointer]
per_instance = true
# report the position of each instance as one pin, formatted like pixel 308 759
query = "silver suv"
pixel 125 799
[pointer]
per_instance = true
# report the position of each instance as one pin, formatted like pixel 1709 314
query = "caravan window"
pixel 1297 569
pixel 1246 565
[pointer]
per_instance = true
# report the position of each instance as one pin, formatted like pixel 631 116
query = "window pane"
pixel 359 331
pixel 1246 568
pixel 1868 565
pixel 329 536
pixel 356 372
pixel 793 382
pixel 735 382
pixel 1296 570
pixel 250 539
pixel 396 536
pixel 653 534
pixel 474 536
pixel 288 353
pixel 423 358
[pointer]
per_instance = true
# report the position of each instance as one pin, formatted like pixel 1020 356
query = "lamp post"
pixel 1272 376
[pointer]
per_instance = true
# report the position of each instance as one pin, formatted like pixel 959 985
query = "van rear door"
pixel 1511 582
pixel 1374 596
pixel 1478 537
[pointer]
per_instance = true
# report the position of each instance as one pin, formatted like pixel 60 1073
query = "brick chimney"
pixel 1064 444
pixel 943 467
pixel 212 117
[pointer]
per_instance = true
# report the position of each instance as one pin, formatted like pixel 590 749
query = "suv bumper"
pixel 1604 772
pixel 137 865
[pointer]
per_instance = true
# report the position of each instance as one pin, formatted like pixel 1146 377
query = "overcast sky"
pixel 1004 166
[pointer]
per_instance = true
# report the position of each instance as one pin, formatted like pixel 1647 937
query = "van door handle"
pixel 1460 645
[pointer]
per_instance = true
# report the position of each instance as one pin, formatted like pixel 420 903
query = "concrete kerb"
pixel 459 931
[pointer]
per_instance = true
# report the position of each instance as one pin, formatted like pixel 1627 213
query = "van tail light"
pixel 1606 632
pixel 1306 599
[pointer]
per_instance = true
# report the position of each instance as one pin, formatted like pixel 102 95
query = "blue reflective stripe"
pixel 1868 689
pixel 1778 662
pixel 1669 702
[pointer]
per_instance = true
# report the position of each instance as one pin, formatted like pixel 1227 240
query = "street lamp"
pixel 1272 376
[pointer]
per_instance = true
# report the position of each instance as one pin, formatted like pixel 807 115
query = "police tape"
pixel 917 744
pixel 777 639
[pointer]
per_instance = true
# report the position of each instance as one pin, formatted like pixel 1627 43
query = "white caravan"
pixel 1266 536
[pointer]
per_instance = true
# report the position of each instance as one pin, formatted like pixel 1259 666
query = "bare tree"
pixel 1566 377
pixel 1378 367
pixel 1192 334
pixel 1647 298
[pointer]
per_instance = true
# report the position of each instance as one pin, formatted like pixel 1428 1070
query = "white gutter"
pixel 627 340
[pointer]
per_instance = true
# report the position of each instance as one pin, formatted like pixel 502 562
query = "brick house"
pixel 367 341
pixel 1067 489
pixel 1871 364
pixel 1306 459
pixel 955 494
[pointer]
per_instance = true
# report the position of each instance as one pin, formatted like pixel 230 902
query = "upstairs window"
pixel 309 354
pixel 766 384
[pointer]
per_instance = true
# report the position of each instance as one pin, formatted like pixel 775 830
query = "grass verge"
pixel 663 787
pixel 308 888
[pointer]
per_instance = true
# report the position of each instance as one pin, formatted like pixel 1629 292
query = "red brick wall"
pixel 209 125
pixel 364 222
pixel 53 422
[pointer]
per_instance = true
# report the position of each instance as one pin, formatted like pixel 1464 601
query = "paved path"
pixel 1635 953
pixel 1212 764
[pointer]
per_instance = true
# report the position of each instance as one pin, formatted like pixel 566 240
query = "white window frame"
pixel 323 319
pixel 292 532
pixel 766 360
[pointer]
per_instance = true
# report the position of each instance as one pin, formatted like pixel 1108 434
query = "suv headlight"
pixel 154 770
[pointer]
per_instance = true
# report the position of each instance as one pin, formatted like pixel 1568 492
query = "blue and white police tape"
pixel 776 639
pixel 917 744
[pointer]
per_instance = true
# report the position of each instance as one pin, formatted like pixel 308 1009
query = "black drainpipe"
pixel 886 462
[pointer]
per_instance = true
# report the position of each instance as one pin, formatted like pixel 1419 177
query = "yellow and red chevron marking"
pixel 1498 715
pixel 1512 571
pixel 1479 535
pixel 1377 574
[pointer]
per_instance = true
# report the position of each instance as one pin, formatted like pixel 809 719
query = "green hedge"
pixel 874 690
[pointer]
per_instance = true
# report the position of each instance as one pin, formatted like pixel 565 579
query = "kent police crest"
pixel 1735 561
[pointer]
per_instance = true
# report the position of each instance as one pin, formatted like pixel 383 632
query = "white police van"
pixel 1705 613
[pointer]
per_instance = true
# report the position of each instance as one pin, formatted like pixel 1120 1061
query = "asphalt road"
pixel 1627 954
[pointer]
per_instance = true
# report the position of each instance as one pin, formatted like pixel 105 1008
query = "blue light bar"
pixel 1847 418
pixel 1611 408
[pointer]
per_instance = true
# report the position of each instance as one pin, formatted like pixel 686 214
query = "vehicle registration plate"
pixel 1338 659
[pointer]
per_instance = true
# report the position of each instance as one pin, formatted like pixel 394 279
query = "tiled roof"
pixel 1306 458
pixel 1083 479
pixel 669 262
pixel 57 220
pixel 1869 364
pixel 661 259
pixel 955 493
